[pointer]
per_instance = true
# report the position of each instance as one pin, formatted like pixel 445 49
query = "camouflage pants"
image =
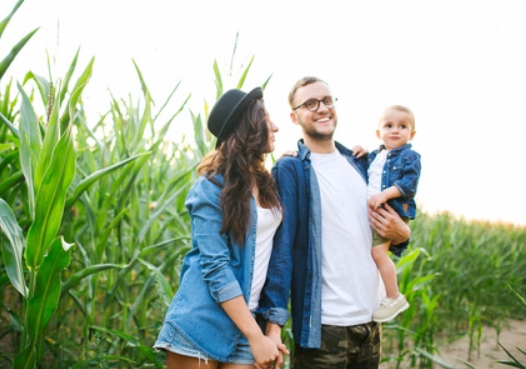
pixel 356 347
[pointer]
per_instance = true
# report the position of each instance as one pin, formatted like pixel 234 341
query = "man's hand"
pixel 273 332
pixel 359 151
pixel 388 224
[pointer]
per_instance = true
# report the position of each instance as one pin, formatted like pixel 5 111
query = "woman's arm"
pixel 265 349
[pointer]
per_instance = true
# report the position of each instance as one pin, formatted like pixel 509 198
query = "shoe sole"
pixel 391 317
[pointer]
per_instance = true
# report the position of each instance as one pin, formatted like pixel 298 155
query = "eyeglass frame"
pixel 319 102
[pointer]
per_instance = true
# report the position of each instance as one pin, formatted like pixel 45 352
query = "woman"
pixel 235 211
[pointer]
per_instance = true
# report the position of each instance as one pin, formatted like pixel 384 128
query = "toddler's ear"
pixel 412 135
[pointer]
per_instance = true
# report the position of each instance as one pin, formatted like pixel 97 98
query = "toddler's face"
pixel 395 129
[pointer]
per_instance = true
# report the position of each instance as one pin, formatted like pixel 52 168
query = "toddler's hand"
pixel 376 201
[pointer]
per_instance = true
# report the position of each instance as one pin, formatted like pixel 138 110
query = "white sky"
pixel 460 65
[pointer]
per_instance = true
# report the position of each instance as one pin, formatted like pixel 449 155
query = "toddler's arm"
pixel 375 201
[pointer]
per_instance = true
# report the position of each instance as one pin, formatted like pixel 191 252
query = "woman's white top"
pixel 268 223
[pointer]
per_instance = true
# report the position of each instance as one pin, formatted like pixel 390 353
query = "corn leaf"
pixel 9 125
pixel 243 77
pixel 29 146
pixel 67 78
pixel 7 19
pixel 218 81
pixel 11 181
pixel 51 138
pixel 42 84
pixel 82 186
pixel 75 96
pixel 44 302
pixel 50 201
pixel 6 62
pixel 12 250
pixel 26 359
pixel 74 280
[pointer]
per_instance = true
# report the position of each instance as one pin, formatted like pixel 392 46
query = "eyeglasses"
pixel 314 104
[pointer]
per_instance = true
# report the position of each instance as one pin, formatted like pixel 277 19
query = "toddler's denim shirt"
pixel 401 169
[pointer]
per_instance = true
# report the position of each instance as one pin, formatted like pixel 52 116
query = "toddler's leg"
pixel 394 303
pixel 387 269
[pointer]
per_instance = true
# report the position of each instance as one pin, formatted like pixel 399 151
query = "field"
pixel 93 230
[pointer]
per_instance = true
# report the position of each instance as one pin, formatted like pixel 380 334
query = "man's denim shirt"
pixel 214 271
pixel 401 169
pixel 296 256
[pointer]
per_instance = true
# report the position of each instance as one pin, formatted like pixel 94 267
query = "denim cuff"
pixel 276 315
pixel 227 292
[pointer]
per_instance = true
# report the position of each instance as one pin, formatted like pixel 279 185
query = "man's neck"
pixel 320 146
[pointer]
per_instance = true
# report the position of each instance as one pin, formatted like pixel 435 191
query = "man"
pixel 322 250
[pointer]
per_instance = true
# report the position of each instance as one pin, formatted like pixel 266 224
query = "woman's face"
pixel 272 129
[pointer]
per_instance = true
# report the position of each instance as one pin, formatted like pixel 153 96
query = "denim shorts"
pixel 172 340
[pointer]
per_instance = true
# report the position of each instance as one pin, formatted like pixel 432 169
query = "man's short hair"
pixel 301 83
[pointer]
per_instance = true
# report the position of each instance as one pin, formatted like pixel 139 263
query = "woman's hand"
pixel 265 351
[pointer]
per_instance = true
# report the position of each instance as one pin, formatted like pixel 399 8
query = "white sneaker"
pixel 390 308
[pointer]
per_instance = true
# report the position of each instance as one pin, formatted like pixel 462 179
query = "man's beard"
pixel 312 133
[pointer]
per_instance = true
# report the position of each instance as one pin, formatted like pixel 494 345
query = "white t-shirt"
pixel 268 223
pixel 350 280
pixel 375 173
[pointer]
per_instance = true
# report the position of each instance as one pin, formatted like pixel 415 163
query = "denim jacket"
pixel 296 256
pixel 401 169
pixel 215 270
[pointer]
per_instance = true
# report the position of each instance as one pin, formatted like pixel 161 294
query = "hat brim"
pixel 233 119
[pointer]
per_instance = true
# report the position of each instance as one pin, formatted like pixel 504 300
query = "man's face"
pixel 321 123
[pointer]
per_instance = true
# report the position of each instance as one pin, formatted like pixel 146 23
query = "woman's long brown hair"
pixel 241 161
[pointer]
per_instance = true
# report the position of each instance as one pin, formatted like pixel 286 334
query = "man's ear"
pixel 293 117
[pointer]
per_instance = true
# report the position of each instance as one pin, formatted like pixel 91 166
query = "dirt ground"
pixel 513 334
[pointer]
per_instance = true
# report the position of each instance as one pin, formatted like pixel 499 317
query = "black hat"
pixel 226 112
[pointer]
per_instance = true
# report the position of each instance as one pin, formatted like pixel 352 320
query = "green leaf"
pixel 165 285
pixel 26 359
pixel 10 125
pixel 74 280
pixel 75 96
pixel 92 178
pixel 50 201
pixel 46 295
pixel 29 146
pixel 218 81
pixel 69 73
pixel 131 340
pixel 51 138
pixel 42 84
pixel 10 182
pixel 6 62
pixel 13 250
pixel 6 20
pixel 241 81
